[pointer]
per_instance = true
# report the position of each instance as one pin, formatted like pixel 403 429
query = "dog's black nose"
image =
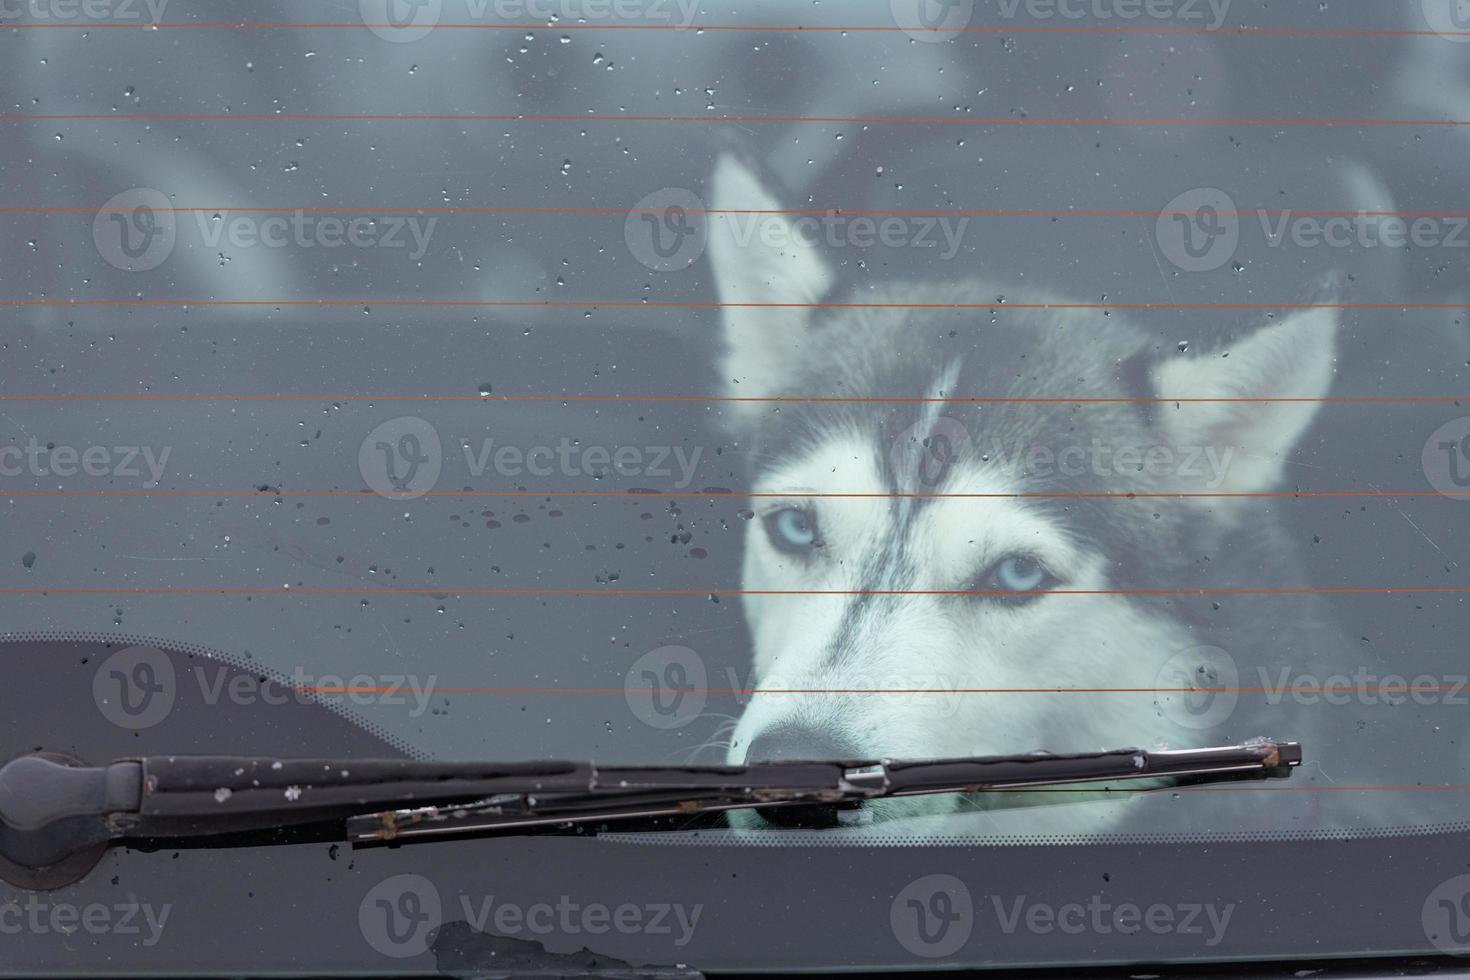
pixel 791 742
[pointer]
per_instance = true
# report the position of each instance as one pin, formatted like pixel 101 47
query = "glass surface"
pixel 669 381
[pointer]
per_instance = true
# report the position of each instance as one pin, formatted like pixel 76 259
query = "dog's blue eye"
pixel 1020 574
pixel 792 529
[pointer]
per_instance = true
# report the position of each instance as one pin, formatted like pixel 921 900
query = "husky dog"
pixel 942 518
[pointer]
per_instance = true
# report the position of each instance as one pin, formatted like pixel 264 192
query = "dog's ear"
pixel 1252 438
pixel 759 258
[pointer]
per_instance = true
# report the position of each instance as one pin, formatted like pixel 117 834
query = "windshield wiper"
pixel 58 816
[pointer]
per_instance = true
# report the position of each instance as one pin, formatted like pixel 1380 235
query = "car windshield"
pixel 677 382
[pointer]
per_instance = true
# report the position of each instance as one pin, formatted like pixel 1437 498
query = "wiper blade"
pixel 57 816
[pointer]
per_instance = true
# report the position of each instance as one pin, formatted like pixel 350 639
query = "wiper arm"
pixel 57 816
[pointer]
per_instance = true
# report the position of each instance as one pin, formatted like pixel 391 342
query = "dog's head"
pixel 903 454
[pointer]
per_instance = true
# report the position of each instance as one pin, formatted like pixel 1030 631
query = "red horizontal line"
pixel 1406 688
pixel 815 212
pixel 774 399
pixel 592 117
pixel 705 593
pixel 671 305
pixel 778 28
pixel 736 494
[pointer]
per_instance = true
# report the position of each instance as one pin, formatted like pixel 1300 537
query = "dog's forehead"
pixel 920 389
pixel 922 396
